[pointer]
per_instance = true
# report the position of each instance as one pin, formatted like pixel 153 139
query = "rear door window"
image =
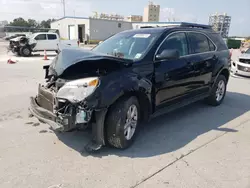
pixel 52 37
pixel 199 42
pixel 41 37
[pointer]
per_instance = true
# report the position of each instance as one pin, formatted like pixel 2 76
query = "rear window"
pixel 51 37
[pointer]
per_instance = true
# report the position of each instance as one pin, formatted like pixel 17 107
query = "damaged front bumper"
pixel 60 114
pixel 46 108
pixel 44 115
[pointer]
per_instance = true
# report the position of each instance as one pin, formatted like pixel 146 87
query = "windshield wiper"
pixel 117 54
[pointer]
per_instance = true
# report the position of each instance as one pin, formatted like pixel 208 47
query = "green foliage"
pixel 46 23
pixel 231 43
pixel 19 22
pixel 31 23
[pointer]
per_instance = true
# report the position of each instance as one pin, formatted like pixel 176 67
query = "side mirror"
pixel 168 54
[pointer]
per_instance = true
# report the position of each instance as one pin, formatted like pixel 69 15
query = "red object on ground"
pixel 45 56
pixel 11 62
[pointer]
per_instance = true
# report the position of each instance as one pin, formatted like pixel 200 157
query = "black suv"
pixel 131 77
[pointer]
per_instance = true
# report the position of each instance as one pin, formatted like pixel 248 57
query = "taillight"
pixel 230 53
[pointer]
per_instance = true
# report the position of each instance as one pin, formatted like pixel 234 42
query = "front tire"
pixel 122 125
pixel 218 92
pixel 25 51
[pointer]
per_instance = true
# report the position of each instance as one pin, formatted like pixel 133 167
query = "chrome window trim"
pixel 187 39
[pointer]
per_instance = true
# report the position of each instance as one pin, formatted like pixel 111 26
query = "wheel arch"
pixel 223 71
pixel 143 100
pixel 226 73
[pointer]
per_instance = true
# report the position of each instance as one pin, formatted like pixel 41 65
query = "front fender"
pixel 108 94
pixel 115 88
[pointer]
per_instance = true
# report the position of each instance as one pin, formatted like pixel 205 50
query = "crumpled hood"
pixel 71 56
pixel 16 39
pixel 244 56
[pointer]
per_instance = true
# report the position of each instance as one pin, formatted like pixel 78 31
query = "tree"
pixel 19 22
pixel 32 23
pixel 46 23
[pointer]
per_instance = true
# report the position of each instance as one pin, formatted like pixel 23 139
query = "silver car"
pixel 242 65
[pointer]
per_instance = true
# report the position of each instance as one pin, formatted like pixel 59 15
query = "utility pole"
pixel 63 2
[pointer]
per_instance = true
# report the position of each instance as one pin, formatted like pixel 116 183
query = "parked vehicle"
pixel 24 46
pixel 130 78
pixel 242 65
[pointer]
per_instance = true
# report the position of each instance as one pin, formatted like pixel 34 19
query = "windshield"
pixel 248 51
pixel 127 45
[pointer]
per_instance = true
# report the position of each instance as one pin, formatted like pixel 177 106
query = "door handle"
pixel 166 77
pixel 190 64
pixel 214 57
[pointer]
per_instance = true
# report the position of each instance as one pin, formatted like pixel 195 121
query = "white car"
pixel 242 65
pixel 24 46
pixel 49 41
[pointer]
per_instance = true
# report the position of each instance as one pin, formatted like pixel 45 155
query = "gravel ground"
pixel 198 146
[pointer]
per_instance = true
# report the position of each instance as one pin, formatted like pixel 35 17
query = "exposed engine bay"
pixel 21 46
pixel 69 113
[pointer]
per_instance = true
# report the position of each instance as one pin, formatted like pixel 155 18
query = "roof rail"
pixel 181 24
pixel 187 24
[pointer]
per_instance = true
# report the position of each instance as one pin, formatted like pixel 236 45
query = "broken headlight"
pixel 77 90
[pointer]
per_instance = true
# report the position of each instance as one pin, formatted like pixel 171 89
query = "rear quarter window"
pixel 218 41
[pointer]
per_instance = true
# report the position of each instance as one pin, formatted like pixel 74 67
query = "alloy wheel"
pixel 220 90
pixel 131 122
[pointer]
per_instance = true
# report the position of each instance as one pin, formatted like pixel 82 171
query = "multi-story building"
pixel 151 13
pixel 134 18
pixel 220 23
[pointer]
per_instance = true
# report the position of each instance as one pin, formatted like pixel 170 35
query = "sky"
pixel 182 10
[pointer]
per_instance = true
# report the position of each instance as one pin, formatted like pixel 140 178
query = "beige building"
pixel 151 13
pixel 134 18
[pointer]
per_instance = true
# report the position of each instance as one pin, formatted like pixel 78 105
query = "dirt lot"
pixel 198 146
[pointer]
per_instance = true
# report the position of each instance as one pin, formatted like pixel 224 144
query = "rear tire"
pixel 218 91
pixel 25 51
pixel 122 124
